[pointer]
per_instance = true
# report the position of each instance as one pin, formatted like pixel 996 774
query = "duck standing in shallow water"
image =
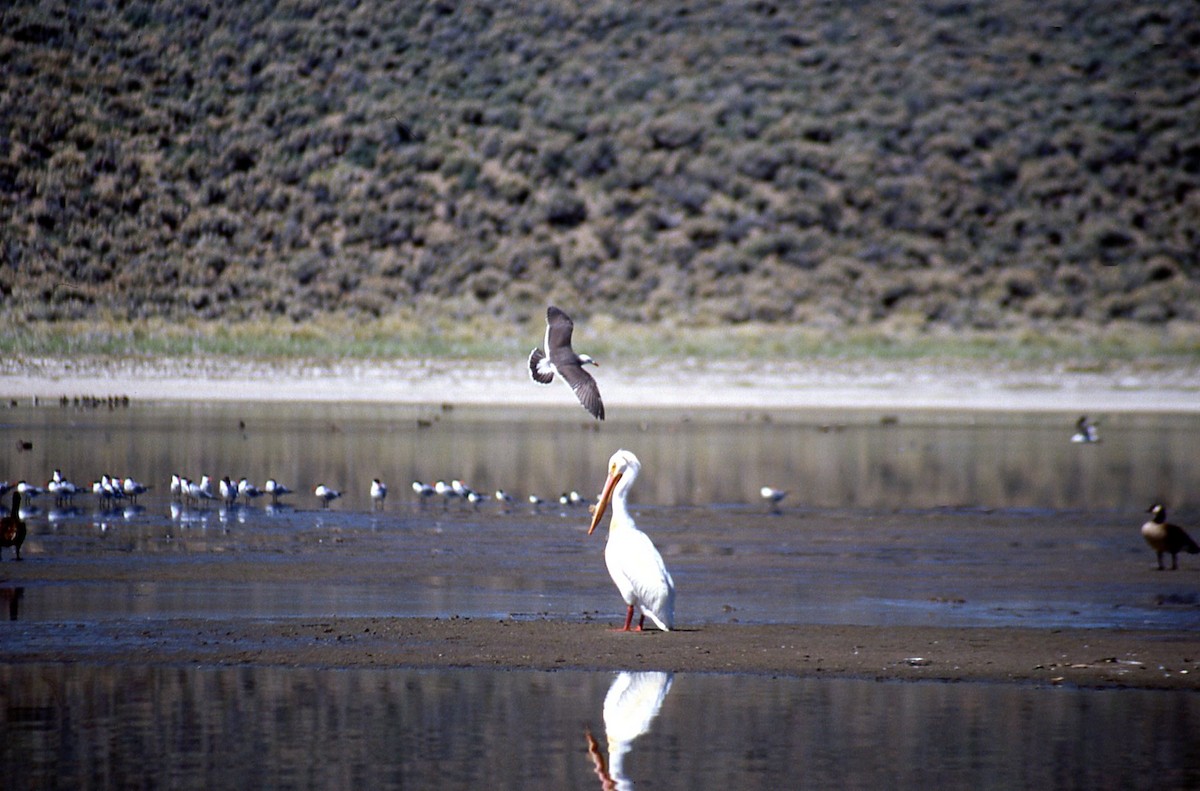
pixel 632 559
pixel 12 527
pixel 1163 536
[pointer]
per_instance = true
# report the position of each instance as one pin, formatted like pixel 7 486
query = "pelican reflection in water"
pixel 632 703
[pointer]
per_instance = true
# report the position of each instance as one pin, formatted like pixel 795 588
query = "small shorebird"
pixel 423 490
pixel 29 491
pixel 535 501
pixel 557 357
pixel 62 489
pixel 199 492
pixel 378 492
pixel 326 494
pixel 773 496
pixel 276 490
pixel 1085 431
pixel 633 562
pixel 504 498
pixel 132 489
pixel 248 491
pixel 1162 536
pixel 229 490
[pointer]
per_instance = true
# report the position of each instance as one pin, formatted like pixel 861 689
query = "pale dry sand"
pixel 888 385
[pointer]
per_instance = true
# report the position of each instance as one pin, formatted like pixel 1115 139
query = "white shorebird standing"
pixel 248 491
pixel 633 562
pixel 132 489
pixel 423 490
pixel 276 490
pixel 378 492
pixel 326 494
pixel 229 490
pixel 773 497
pixel 62 489
pixel 557 357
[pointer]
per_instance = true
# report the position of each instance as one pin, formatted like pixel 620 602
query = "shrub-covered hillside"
pixel 958 164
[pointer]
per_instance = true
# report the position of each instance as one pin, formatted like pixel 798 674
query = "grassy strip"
pixel 604 337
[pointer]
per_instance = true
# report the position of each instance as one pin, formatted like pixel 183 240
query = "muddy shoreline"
pixel 1087 658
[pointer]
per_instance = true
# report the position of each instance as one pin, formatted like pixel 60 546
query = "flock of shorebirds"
pixel 634 563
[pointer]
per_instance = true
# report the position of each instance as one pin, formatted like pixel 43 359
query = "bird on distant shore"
pixel 557 357
pixel 378 492
pixel 12 527
pixel 326 494
pixel 634 563
pixel 276 490
pixel 248 491
pixel 1085 431
pixel 773 497
pixel 423 490
pixel 132 489
pixel 62 489
pixel 1163 536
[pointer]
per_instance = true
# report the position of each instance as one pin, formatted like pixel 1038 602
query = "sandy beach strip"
pixel 885 385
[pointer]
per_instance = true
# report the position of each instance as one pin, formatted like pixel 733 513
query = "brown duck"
pixel 12 527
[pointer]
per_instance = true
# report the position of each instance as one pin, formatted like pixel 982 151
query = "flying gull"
pixel 557 357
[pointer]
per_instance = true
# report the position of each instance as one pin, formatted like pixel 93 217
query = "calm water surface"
pixel 182 727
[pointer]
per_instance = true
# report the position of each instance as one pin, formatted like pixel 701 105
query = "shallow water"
pixel 825 459
pixel 959 520
pixel 948 520
pixel 183 727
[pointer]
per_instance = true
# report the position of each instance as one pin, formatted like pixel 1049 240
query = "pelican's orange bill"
pixel 605 496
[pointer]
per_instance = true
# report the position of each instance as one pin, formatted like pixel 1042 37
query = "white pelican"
pixel 633 701
pixel 557 357
pixel 378 492
pixel 326 494
pixel 275 489
pixel 1085 431
pixel 633 562
pixel 1165 537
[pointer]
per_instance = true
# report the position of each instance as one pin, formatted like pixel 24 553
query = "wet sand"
pixel 1084 658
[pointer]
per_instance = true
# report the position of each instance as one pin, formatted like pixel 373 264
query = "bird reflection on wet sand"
pixel 632 703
